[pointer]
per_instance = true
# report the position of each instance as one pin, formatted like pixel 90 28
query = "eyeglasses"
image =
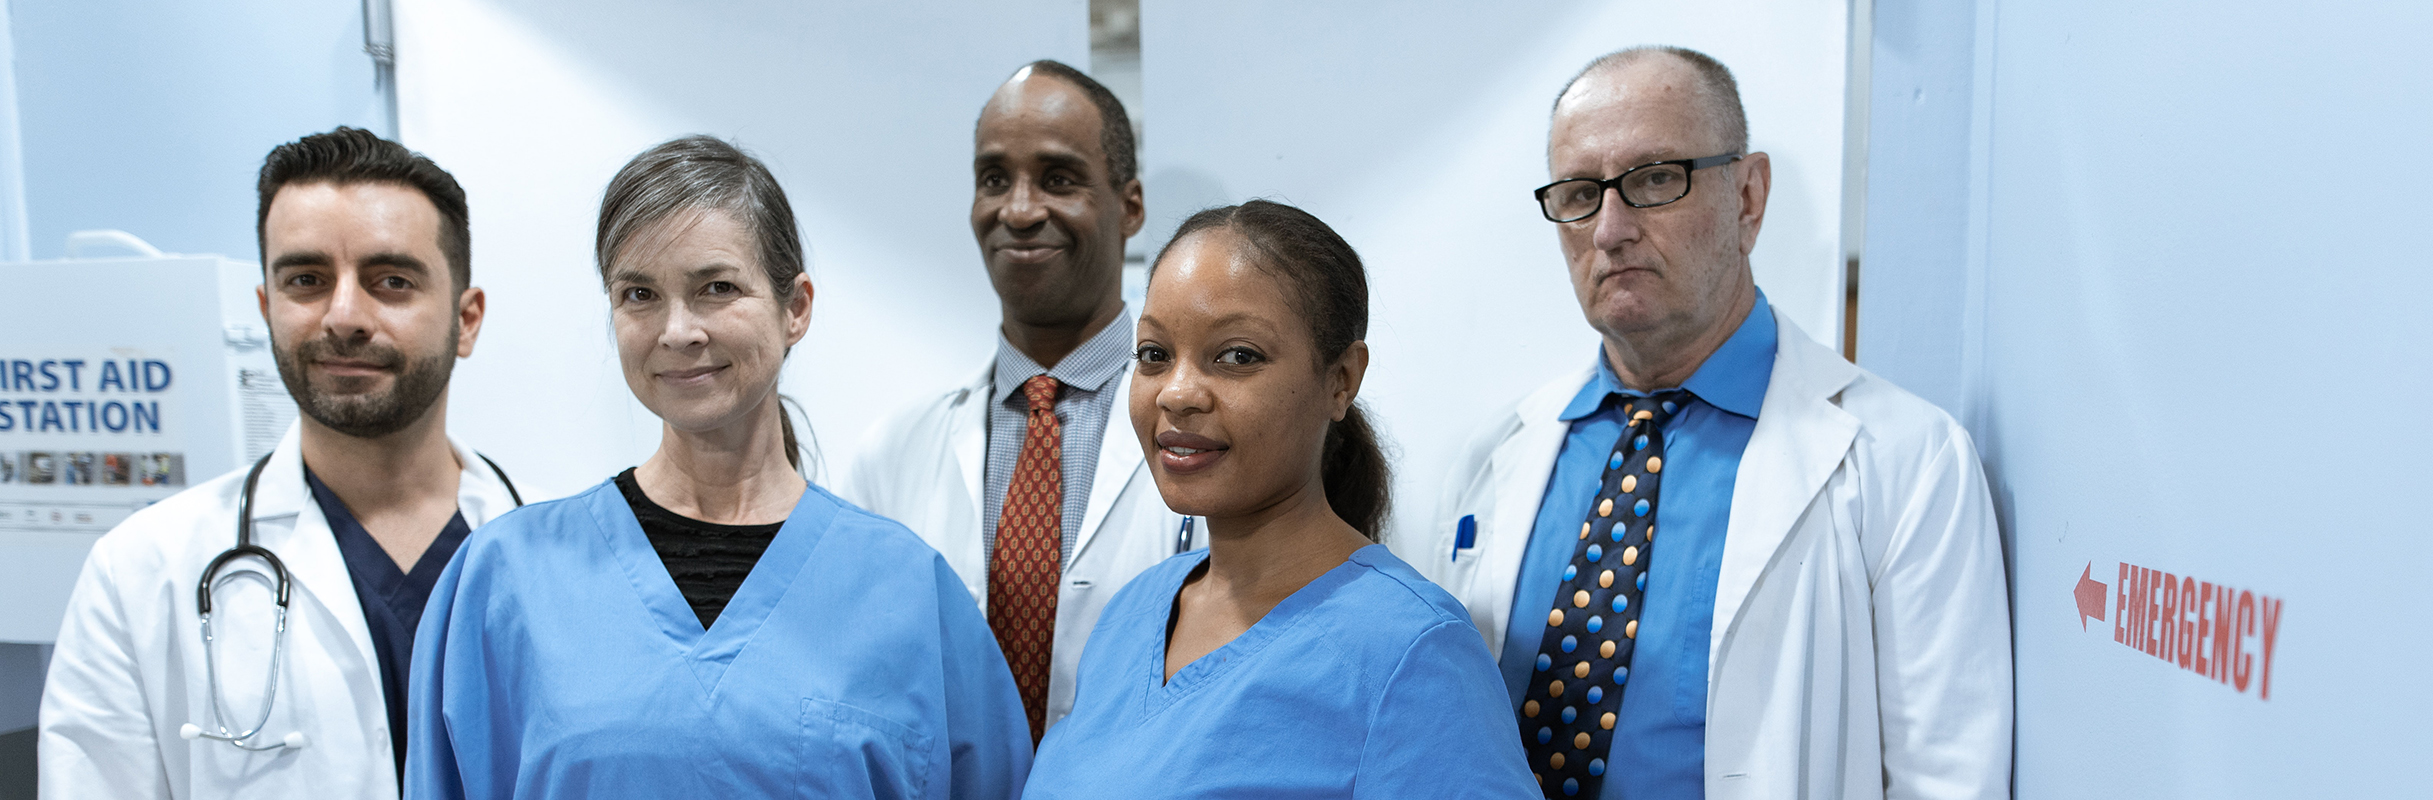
pixel 1644 186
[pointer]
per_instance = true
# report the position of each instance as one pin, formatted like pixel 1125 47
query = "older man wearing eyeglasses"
pixel 1824 612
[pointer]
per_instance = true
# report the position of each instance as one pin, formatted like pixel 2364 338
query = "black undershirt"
pixel 709 561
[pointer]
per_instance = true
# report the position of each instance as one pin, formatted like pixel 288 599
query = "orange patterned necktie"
pixel 1023 572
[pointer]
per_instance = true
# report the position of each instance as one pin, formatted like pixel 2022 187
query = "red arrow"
pixel 2091 596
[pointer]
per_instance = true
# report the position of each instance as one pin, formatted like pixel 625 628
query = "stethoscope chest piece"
pixel 245 548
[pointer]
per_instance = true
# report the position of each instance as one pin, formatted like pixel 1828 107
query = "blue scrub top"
pixel 1659 743
pixel 1368 682
pixel 558 659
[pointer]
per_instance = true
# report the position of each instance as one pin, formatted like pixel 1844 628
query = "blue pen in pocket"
pixel 1465 535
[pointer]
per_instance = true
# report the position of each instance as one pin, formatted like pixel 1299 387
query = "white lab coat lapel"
pixel 481 491
pixel 1800 439
pixel 1792 715
pixel 1119 459
pixel 1522 464
pixel 1119 455
pixel 306 545
pixel 968 435
pixel 289 521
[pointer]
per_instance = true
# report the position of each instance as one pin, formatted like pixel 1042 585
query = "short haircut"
pixel 1718 95
pixel 1114 126
pixel 353 155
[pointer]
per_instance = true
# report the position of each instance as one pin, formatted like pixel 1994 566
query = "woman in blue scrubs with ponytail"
pixel 1295 657
pixel 708 624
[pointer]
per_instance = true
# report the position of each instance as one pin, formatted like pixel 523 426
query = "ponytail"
pixel 786 409
pixel 1332 291
pixel 1355 472
pixel 794 453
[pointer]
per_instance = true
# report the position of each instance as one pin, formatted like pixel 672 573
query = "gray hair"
pixel 705 173
pixel 1718 95
pixel 702 173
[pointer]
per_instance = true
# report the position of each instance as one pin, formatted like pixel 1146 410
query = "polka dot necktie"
pixel 1567 715
pixel 1029 556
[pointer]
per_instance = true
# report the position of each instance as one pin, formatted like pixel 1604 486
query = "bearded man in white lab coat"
pixel 1824 613
pixel 1028 477
pixel 367 294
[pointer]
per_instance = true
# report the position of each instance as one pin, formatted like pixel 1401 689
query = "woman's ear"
pixel 798 310
pixel 1345 376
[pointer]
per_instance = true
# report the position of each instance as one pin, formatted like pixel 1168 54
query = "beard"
pixel 419 383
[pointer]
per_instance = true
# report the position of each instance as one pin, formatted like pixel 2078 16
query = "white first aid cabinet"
pixel 123 380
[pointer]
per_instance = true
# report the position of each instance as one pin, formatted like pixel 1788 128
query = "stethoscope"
pixel 245 548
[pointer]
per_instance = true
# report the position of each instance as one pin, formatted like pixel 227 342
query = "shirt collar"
pixel 1088 368
pixel 332 509
pixel 1733 378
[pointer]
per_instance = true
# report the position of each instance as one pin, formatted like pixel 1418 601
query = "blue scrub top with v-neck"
pixel 558 659
pixel 392 598
pixel 1368 682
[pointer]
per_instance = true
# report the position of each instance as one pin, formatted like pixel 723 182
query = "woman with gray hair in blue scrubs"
pixel 707 624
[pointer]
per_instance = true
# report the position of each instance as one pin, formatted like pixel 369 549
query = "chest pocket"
pixel 851 752
pixel 1457 553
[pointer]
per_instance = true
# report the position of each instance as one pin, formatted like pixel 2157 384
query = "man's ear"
pixel 1136 207
pixel 471 308
pixel 1756 183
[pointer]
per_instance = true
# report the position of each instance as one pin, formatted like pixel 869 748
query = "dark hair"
pixel 1333 294
pixel 1718 94
pixel 705 173
pixel 1114 126
pixel 354 155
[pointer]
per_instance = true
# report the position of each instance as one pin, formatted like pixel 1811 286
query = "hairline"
pixel 1306 303
pixel 673 187
pixel 1110 112
pixel 460 273
pixel 1716 99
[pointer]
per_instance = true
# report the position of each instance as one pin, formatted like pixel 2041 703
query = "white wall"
pixel 1419 139
pixel 153 117
pixel 864 112
pixel 1418 130
pixel 2076 240
pixel 15 244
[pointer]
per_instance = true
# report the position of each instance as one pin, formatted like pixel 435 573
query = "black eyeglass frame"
pixel 1614 184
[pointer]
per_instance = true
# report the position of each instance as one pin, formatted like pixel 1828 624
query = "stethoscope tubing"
pixel 245 548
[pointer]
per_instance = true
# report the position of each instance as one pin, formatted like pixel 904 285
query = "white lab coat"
pixel 128 671
pixel 924 468
pixel 1861 644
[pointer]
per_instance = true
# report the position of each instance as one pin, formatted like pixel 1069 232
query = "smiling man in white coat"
pixel 368 297
pixel 1720 560
pixel 1028 477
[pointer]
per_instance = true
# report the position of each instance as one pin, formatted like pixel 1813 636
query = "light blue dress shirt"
pixel 1659 743
pixel 1369 682
pixel 1089 374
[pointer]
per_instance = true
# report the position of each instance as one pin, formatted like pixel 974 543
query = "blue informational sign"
pixel 127 381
